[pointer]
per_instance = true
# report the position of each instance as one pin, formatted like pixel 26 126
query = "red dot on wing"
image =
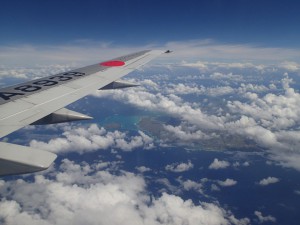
pixel 113 63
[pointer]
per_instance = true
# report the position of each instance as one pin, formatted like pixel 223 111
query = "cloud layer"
pixel 252 114
pixel 234 110
pixel 81 194
pixel 210 104
pixel 93 138
pixel 91 51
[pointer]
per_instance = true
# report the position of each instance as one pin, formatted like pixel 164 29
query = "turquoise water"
pixel 125 122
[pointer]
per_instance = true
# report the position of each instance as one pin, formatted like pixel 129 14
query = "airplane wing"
pixel 42 101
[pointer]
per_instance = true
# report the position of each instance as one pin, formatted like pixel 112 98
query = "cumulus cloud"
pixel 219 164
pixel 266 119
pixel 297 192
pixel 290 66
pixel 286 158
pixel 185 134
pixel 260 119
pixel 143 169
pixel 92 138
pixel 214 187
pixel 263 219
pixel 271 121
pixel 227 183
pixel 182 89
pixel 34 72
pixel 166 104
pixel 168 187
pixel 237 164
pixel 246 88
pixel 13 73
pixel 246 164
pixel 173 210
pixel 179 167
pixel 268 181
pixel 228 76
pixel 79 194
pixel 276 112
pixel 189 185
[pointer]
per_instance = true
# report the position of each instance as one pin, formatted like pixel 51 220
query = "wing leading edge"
pixel 37 100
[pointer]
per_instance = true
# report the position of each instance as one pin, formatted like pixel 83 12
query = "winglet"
pixel 17 159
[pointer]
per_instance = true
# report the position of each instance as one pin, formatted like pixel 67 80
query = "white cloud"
pixel 168 186
pixel 200 65
pixel 297 192
pixel 272 111
pixel 227 183
pixel 244 88
pixel 208 49
pixel 215 188
pixel 269 121
pixel 258 120
pixel 268 181
pixel 228 76
pixel 79 53
pixel 80 139
pixel 34 72
pixel 149 83
pixel 286 158
pixel 219 91
pixel 88 51
pixel 166 104
pixel 191 185
pixel 181 133
pixel 13 73
pixel 207 66
pixel 182 89
pixel 179 167
pixel 290 66
pixel 219 164
pixel 79 194
pixel 173 210
pixel 263 219
pixel 143 169
pixel 237 164
pixel 246 164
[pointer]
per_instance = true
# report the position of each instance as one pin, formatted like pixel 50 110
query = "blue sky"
pixel 270 23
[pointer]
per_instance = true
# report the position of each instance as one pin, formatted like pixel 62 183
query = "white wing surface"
pixel 43 100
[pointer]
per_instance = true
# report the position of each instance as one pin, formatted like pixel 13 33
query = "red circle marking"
pixel 113 63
